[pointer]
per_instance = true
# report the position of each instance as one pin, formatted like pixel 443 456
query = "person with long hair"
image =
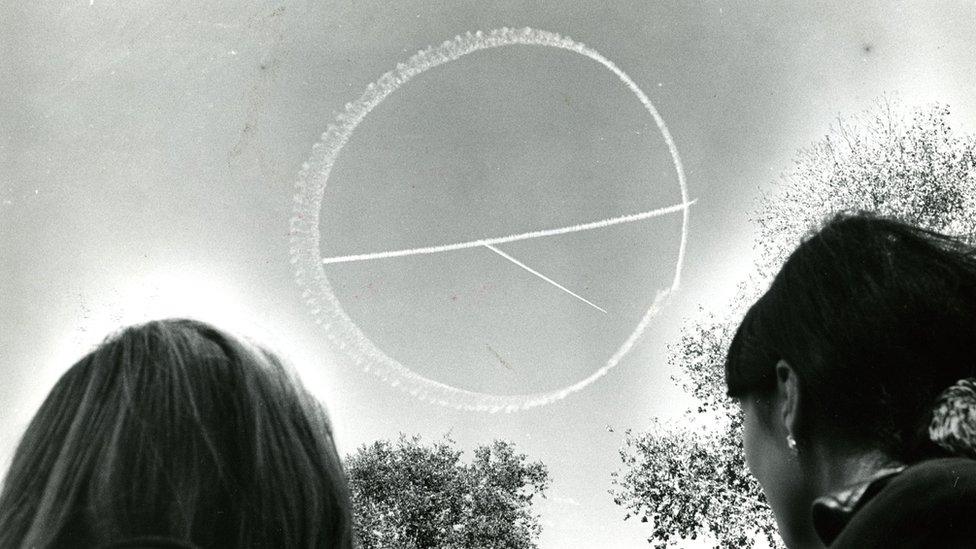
pixel 176 434
pixel 855 374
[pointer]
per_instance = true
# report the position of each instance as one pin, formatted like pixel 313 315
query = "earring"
pixel 791 444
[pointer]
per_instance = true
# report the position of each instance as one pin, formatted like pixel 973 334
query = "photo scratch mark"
pixel 271 31
pixel 501 359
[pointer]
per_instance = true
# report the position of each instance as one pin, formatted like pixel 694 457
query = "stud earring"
pixel 791 444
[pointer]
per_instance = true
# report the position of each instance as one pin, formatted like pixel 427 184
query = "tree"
pixel 411 495
pixel 898 162
pixel 691 481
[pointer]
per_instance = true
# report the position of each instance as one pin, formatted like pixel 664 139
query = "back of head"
pixel 878 319
pixel 175 429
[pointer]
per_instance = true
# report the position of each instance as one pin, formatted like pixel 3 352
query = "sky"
pixel 149 153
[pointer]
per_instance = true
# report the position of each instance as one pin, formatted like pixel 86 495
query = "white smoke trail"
pixel 314 176
pixel 546 278
pixel 511 238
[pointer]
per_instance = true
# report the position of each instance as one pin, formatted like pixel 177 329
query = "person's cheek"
pixel 750 443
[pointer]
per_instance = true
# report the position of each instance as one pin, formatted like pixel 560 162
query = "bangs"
pixel 749 364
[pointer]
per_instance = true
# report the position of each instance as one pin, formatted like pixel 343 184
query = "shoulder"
pixel 959 472
pixel 930 504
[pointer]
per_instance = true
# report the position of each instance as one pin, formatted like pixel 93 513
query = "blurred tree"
pixel 411 495
pixel 691 482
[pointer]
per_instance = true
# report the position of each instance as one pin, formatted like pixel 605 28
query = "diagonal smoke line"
pixel 544 277
pixel 511 238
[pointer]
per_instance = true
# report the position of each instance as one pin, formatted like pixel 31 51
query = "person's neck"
pixel 839 468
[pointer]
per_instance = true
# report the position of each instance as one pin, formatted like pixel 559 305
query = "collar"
pixel 832 512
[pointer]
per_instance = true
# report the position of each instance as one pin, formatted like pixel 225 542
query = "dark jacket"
pixel 930 504
pixel 149 542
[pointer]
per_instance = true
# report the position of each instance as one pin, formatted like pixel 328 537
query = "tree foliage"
pixel 909 166
pixel 409 494
pixel 897 162
pixel 692 482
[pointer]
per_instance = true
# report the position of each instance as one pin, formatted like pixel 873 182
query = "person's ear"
pixel 788 390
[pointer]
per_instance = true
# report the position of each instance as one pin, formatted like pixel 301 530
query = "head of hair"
pixel 877 318
pixel 178 430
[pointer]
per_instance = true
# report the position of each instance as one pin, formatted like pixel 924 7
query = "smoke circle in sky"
pixel 317 291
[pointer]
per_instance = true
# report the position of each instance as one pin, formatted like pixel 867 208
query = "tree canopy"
pixel 408 494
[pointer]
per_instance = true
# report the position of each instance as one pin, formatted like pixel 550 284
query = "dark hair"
pixel 174 429
pixel 878 319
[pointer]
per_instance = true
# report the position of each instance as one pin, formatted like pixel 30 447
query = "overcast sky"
pixel 149 151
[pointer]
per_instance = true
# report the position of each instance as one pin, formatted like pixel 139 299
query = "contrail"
pixel 544 277
pixel 511 238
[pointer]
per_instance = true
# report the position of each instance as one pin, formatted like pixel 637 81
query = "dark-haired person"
pixel 175 434
pixel 855 373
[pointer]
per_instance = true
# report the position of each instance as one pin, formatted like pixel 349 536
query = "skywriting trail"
pixel 546 278
pixel 306 237
pixel 511 238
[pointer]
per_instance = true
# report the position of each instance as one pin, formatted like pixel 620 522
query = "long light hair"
pixel 175 429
